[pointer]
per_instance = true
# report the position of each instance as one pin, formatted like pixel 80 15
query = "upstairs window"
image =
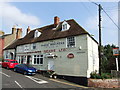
pixel 34 46
pixel 70 42
pixel 26 48
pixel 65 26
pixel 20 49
pixel 37 33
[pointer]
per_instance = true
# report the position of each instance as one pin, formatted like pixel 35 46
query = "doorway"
pixel 12 55
pixel 51 65
pixel 28 59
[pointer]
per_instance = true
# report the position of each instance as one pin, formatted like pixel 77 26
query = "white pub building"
pixel 64 47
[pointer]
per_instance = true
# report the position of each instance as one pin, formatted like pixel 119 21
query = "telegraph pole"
pixel 100 8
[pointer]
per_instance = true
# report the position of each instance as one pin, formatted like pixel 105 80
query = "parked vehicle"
pixel 0 63
pixel 9 63
pixel 25 69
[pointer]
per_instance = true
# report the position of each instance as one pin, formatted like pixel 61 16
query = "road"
pixel 12 80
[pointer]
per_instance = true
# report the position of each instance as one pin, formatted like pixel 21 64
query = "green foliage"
pixel 108 60
pixel 95 75
pixel 106 76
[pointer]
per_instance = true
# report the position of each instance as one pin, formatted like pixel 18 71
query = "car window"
pixel 6 61
pixel 28 65
pixel 13 61
pixel 22 65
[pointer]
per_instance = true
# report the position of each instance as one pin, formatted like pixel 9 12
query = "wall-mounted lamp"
pixel 80 47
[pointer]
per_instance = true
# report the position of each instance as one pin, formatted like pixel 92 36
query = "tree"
pixel 108 60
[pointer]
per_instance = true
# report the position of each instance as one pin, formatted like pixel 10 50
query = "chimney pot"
pixel 19 33
pixel 56 21
pixel 14 29
pixel 28 30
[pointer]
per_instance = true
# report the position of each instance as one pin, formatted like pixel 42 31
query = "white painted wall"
pixel 93 58
pixel 7 52
pixel 85 51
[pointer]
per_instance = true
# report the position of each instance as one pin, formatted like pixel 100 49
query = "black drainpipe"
pixel 15 54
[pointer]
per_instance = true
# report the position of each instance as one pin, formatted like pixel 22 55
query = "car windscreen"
pixel 28 65
pixel 13 61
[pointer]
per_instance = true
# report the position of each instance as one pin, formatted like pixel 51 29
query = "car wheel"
pixel 15 70
pixel 24 73
pixel 7 67
pixel 54 76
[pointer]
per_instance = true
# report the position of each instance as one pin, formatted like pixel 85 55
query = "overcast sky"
pixel 38 14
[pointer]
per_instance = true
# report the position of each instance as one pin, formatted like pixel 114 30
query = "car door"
pixel 5 63
pixel 21 68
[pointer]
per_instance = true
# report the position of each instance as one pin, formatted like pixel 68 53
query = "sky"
pixel 39 14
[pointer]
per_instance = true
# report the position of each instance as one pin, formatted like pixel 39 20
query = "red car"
pixel 8 63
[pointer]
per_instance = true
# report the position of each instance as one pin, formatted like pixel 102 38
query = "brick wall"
pixel 104 83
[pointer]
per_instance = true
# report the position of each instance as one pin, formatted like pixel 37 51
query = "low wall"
pixel 104 83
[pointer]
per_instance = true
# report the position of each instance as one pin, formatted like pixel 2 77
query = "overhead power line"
pixel 107 15
pixel 111 19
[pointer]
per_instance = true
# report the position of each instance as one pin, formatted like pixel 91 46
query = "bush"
pixel 95 75
pixel 106 76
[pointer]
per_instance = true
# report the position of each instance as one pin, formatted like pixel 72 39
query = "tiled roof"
pixel 48 33
pixel 13 44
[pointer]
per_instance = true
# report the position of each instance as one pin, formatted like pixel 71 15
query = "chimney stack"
pixel 56 21
pixel 14 30
pixel 19 33
pixel 28 30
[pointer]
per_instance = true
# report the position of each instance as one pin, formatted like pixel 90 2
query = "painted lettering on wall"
pixel 53 44
pixel 46 51
pixel 49 51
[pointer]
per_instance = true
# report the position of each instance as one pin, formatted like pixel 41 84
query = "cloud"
pixel 12 15
pixel 109 30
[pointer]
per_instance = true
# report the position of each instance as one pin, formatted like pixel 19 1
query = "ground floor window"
pixel 18 59
pixel 7 55
pixel 38 59
pixel 21 59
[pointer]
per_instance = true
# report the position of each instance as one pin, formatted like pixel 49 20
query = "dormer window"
pixel 37 33
pixel 65 26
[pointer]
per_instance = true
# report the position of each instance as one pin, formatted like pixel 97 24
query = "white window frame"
pixel 20 49
pixel 39 57
pixel 7 55
pixel 65 26
pixel 74 42
pixel 37 34
pixel 26 48
pixel 32 46
pixel 19 59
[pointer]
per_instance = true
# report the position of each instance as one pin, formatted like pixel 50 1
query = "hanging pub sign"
pixel 70 55
pixel 116 51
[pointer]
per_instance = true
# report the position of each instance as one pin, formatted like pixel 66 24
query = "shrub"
pixel 106 76
pixel 95 75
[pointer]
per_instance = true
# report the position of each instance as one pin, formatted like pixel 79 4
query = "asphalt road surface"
pixel 13 80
